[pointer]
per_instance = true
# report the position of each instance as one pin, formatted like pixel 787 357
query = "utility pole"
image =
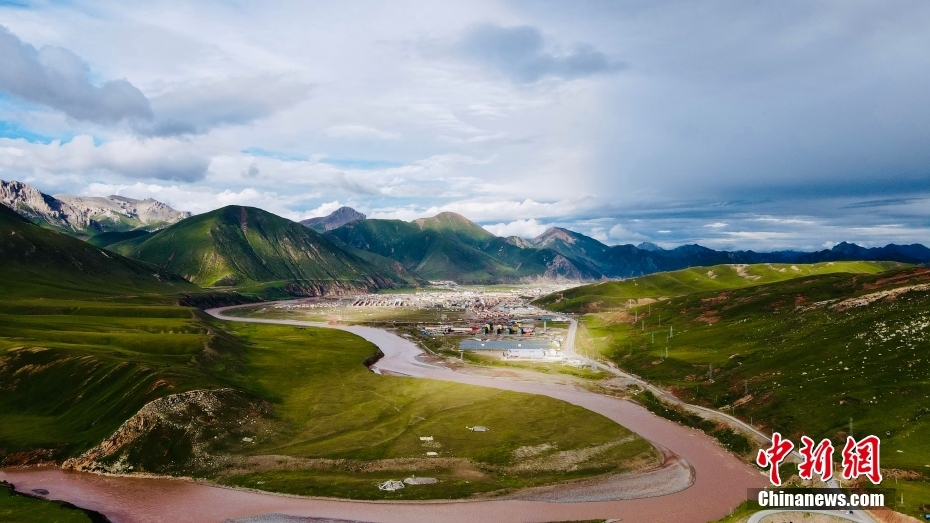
pixel 644 325
pixel 653 338
pixel 660 320
pixel 671 331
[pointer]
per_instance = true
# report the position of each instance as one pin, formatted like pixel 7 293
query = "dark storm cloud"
pixel 521 54
pixel 57 78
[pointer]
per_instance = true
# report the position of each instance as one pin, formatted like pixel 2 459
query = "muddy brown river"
pixel 720 479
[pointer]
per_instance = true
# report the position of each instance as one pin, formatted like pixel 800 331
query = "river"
pixel 720 479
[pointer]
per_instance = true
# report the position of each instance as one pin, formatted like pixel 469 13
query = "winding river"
pixel 719 479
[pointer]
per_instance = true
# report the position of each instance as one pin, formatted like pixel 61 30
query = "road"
pixel 715 415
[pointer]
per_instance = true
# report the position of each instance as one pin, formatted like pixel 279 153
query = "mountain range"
pixel 246 247
pixel 87 216
pixel 345 252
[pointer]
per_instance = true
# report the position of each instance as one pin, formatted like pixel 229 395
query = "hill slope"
pixel 450 247
pixel 37 261
pixel 802 356
pixel 244 246
pixel 613 294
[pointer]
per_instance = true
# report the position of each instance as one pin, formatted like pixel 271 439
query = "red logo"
pixel 819 460
pixel 774 456
pixel 859 458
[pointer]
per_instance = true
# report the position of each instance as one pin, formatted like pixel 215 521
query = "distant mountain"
pixel 649 246
pixel 335 219
pixel 450 247
pixel 249 247
pixel 87 216
pixel 35 261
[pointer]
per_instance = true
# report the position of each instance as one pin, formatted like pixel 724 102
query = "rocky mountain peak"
pixel 334 220
pixel 87 215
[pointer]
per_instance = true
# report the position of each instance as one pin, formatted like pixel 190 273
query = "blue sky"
pixel 739 125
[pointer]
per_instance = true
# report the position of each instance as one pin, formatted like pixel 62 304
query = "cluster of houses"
pixel 499 327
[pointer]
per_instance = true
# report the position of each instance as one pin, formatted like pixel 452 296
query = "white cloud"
pixel 156 158
pixel 197 107
pixel 360 132
pixel 323 210
pixel 58 78
pixel 620 234
pixel 200 199
pixel 716 225
pixel 523 228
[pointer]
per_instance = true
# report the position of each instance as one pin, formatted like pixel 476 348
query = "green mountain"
pixel 255 250
pixel 35 261
pixel 615 294
pixel 450 247
pixel 106 239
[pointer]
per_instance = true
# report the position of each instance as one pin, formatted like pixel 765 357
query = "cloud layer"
pixel 732 124
pixel 57 78
pixel 520 53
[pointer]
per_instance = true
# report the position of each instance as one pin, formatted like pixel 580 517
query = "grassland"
pixel 801 356
pixel 22 509
pixel 616 294
pixel 333 408
pixel 72 371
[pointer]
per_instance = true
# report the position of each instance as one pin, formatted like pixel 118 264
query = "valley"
pixel 276 397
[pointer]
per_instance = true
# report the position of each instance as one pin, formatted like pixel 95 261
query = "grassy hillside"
pixel 449 247
pixel 22 509
pixel 105 239
pixel 39 262
pixel 802 356
pixel 247 247
pixel 614 294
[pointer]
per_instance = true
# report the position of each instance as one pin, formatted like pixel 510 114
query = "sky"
pixel 737 125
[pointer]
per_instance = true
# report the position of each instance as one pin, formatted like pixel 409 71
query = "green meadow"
pixel 799 356
pixel 22 509
pixel 73 371
pixel 330 406
pixel 615 294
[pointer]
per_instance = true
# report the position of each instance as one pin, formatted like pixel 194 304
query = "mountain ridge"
pixel 237 246
pixel 84 216
pixel 333 220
